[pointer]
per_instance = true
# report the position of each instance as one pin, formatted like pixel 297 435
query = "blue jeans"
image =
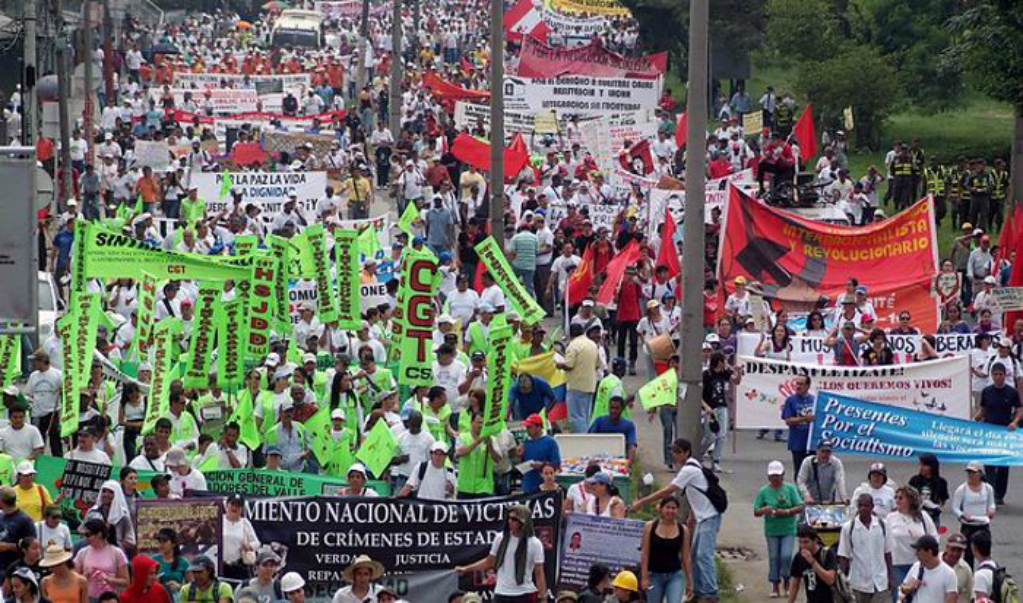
pixel 578 403
pixel 718 439
pixel 705 542
pixel 667 413
pixel 527 277
pixel 899 573
pixel 666 588
pixel 779 557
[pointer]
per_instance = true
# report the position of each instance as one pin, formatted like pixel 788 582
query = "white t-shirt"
pixel 984 578
pixel 563 267
pixel 235 533
pixel 936 583
pixel 494 296
pixel 21 442
pixel 434 486
pixel 507 585
pixel 462 304
pixel 904 532
pixel 60 535
pixel 180 483
pixel 691 480
pixel 91 456
pixel 44 389
pixel 417 447
pixel 141 463
pixel 450 377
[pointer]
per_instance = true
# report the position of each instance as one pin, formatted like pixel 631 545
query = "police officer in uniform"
pixel 916 153
pixel 902 179
pixel 978 185
pixel 999 191
pixel 959 201
pixel 936 185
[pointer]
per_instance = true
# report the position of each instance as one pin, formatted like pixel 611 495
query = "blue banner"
pixel 861 427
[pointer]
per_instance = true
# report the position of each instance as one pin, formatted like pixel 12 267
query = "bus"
pixel 297 27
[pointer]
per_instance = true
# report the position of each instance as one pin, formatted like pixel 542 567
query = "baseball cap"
pixel 599 478
pixel 201 563
pixel 990 280
pixel 975 466
pixel 309 358
pixel 587 303
pixel 445 319
pixel 337 413
pixel 439 447
pixel 26 468
pixel 268 557
pixel 775 468
pixel 878 468
pixel 533 419
pixel 957 541
pixel 357 468
pixel 825 443
pixel 291 582
pixel 272 359
pixel 273 450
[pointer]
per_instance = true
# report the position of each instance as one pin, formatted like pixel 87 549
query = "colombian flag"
pixel 542 366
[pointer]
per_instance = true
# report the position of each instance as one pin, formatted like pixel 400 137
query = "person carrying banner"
pixel 517 557
pixel 477 458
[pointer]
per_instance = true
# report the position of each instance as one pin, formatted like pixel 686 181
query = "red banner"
pixel 541 61
pixel 450 92
pixel 475 152
pixel 801 264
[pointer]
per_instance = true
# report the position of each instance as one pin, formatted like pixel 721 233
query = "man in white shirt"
pixel 492 295
pixel 168 305
pixel 431 480
pixel 150 459
pixel 691 480
pixel 229 452
pixel 930 580
pixel 864 553
pixel 448 372
pixel 20 440
pixel 984 586
pixel 183 478
pixel 43 389
pixel 86 450
pixel 308 326
pixel 415 444
pixel 463 301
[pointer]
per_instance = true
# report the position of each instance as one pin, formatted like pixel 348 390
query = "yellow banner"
pixel 610 8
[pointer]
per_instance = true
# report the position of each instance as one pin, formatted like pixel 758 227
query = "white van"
pixel 296 27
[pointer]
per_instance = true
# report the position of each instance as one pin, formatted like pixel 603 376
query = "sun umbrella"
pixel 276 5
pixel 243 25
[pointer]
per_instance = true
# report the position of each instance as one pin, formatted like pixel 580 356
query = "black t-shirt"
pixel 816 590
pixel 715 387
pixel 14 527
pixel 999 404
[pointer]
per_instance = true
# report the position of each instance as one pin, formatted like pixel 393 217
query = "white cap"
pixel 287 405
pixel 291 582
pixel 775 468
pixel 283 373
pixel 990 280
pixel 272 359
pixel 26 468
pixel 308 358
pixel 439 447
pixel 337 413
pixel 359 468
pixel 445 319
pixel 587 303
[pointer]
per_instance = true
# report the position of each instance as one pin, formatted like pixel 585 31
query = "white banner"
pixel 604 137
pixel 373 294
pixel 239 80
pixel 470 115
pixel 222 100
pixel 268 190
pixel 152 153
pixel 581 95
pixel 348 9
pixel 577 31
pixel 304 290
pixel 940 387
pixel 599 213
pixel 808 349
pixel 675 200
pixel 1005 299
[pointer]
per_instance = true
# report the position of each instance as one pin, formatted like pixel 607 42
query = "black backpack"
pixel 715 493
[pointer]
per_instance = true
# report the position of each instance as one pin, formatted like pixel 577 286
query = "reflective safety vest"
pixel 475 470
pixel 936 183
pixel 1000 183
pixel 955 182
pixel 979 184
pixel 477 338
pixel 902 167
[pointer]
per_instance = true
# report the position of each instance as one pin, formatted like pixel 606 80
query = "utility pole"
pixel 497 121
pixel 108 55
pixel 28 81
pixel 394 102
pixel 63 99
pixel 691 326
pixel 89 111
pixel 360 77
pixel 416 16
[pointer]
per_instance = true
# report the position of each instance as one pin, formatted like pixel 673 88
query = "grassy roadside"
pixel 726 583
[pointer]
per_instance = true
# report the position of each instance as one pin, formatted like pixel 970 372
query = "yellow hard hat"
pixel 627 580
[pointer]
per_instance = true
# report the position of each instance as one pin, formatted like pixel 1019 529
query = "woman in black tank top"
pixel 666 565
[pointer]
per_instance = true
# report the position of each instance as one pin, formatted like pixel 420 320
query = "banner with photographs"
pixel 198 523
pixel 318 537
pixel 590 539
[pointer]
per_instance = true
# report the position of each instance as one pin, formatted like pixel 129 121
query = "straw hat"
pixel 364 561
pixel 55 555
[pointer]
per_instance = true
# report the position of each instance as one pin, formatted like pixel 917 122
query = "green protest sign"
pixel 261 303
pixel 499 268
pixel 261 482
pixel 661 391
pixel 280 249
pixel 70 386
pixel 498 379
pixel 326 302
pixel 378 448
pixel 346 250
pixel 144 313
pixel 300 257
pixel 231 337
pixel 10 357
pixel 416 293
pixel 78 250
pixel 163 357
pixel 200 349
pixel 244 244
pixel 85 316
pixel 111 255
pixel 408 218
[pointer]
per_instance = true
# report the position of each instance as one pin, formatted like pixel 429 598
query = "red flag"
pixel 640 150
pixel 1007 238
pixel 581 279
pixel 681 130
pixel 1015 275
pixel 475 152
pixel 616 270
pixel 466 65
pixel 668 254
pixel 477 281
pixel 805 135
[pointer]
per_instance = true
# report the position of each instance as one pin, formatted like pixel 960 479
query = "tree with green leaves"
pixel 988 37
